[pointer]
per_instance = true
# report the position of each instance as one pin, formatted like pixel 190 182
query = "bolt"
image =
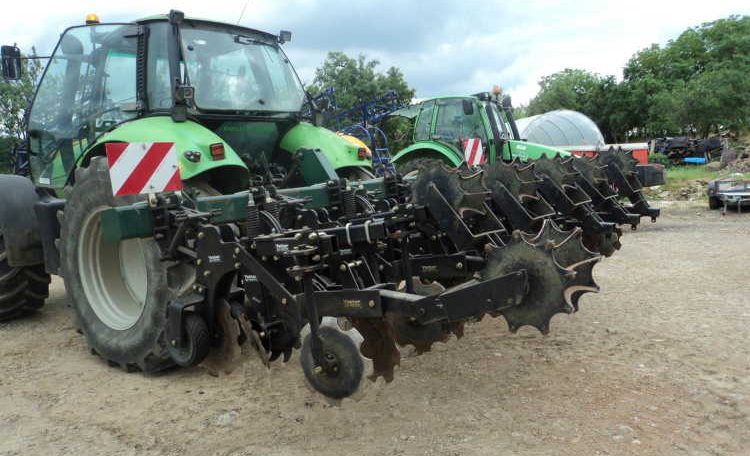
pixel 371 304
pixel 313 236
pixel 263 258
pixel 174 343
pixel 201 235
pixel 237 265
pixel 298 236
pixel 199 261
pixel 459 265
pixel 237 250
pixel 261 334
pixel 206 273
pixel 381 268
pixel 275 258
pixel 283 301
pixel 318 370
pixel 342 268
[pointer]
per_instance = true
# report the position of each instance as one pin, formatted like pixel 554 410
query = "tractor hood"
pixel 341 152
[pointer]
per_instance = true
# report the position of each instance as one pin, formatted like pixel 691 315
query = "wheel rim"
pixel 113 275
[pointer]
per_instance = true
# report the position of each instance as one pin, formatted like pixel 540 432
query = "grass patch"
pixel 680 174
pixel 687 177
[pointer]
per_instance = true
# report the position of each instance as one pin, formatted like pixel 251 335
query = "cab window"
pixel 453 125
pixel 424 121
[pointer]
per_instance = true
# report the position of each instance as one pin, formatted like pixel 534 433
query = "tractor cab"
pixel 233 81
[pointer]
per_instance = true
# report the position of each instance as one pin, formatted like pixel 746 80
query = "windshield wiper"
pixel 243 39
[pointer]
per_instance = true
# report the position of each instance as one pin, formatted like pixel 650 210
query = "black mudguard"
pixel 18 221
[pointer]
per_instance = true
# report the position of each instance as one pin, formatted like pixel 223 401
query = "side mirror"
pixel 285 36
pixel 11 62
pixel 468 107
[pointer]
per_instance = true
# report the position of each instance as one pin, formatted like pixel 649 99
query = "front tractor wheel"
pixel 119 290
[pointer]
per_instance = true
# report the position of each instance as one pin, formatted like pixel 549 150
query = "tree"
pixel 697 84
pixel 567 89
pixel 357 79
pixel 580 90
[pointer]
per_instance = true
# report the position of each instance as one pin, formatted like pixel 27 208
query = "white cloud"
pixel 442 47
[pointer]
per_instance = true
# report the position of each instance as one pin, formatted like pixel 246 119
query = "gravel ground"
pixel 655 364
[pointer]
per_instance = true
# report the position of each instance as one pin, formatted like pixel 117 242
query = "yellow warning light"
pixel 92 19
pixel 497 90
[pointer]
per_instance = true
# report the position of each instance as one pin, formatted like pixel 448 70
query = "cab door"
pixel 460 119
pixel 88 87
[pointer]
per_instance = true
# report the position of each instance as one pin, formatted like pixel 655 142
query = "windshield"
pixel 236 72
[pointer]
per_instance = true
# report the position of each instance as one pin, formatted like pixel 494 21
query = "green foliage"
pixel 599 97
pixel 15 97
pixel 567 89
pixel 521 111
pixel 6 145
pixel 659 159
pixel 697 84
pixel 398 130
pixel 357 79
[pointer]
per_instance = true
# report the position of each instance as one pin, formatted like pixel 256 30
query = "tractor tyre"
pixel 714 203
pixel 413 166
pixel 22 289
pixel 119 290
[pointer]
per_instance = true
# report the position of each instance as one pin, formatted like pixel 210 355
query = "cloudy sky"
pixel 443 47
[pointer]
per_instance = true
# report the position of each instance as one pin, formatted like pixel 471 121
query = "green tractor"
pixel 529 182
pixel 189 208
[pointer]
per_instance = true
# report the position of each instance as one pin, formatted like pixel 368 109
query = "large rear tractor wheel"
pixel 119 290
pixel 22 289
pixel 413 166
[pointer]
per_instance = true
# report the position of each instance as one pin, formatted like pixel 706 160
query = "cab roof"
pixel 164 17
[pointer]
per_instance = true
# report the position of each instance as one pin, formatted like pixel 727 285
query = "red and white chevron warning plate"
pixel 473 153
pixel 147 167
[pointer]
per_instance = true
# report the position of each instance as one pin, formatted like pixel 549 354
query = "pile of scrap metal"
pixel 682 149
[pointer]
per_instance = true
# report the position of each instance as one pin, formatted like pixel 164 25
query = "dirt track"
pixel 658 363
